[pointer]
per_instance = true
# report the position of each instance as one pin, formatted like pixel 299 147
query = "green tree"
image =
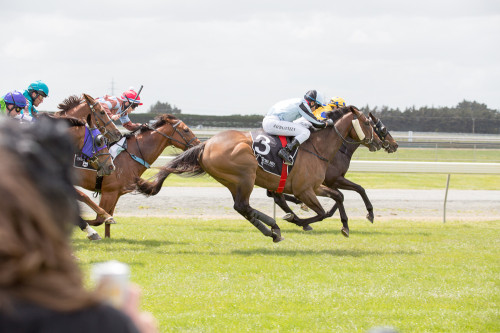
pixel 162 108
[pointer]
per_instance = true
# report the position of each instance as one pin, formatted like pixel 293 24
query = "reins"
pixel 171 138
pixel 97 117
pixel 365 140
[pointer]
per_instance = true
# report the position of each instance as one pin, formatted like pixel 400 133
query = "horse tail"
pixel 186 164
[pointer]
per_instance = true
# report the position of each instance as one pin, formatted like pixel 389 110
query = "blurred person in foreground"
pixel 41 287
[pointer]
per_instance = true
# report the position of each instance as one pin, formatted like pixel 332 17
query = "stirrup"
pixel 285 156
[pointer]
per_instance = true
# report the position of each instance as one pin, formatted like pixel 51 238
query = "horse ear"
pixel 373 117
pixel 88 98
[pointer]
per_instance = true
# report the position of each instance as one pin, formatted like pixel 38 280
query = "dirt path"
pixel 216 202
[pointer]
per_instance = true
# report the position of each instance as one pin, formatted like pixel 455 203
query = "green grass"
pixel 224 276
pixel 372 180
pixel 431 155
pixel 391 180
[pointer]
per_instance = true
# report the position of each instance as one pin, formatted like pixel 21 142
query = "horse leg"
pixel 313 203
pixel 339 203
pixel 288 197
pixel 101 213
pixel 85 227
pixel 108 203
pixel 346 184
pixel 242 206
pixel 281 199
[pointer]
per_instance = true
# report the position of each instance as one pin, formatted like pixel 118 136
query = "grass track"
pixel 224 276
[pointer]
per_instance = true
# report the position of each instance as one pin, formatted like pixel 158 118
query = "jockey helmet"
pixel 337 102
pixel 314 96
pixel 131 97
pixel 15 97
pixel 39 87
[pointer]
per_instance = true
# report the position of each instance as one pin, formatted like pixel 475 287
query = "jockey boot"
pixel 286 152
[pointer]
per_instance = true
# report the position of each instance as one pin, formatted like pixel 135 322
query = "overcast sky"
pixel 222 57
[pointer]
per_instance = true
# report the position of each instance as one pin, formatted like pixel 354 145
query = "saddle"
pixel 266 147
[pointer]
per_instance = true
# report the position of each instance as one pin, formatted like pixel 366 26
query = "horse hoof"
pixel 307 228
pixel 110 220
pixel 345 232
pixel 370 217
pixel 288 217
pixel 94 237
pixel 277 239
pixel 304 207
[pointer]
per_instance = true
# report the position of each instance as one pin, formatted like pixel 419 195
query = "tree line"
pixel 466 117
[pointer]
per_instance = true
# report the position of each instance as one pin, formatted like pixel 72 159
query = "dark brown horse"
pixel 228 158
pixel 81 107
pixel 98 155
pixel 335 173
pixel 143 148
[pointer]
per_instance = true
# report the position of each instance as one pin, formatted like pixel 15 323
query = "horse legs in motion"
pixel 280 200
pixel 241 192
pixel 346 184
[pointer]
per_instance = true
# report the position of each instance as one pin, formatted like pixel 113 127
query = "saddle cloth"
pixel 80 162
pixel 265 148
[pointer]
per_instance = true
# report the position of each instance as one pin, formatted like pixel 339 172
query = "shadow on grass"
pixel 353 232
pixel 331 252
pixel 81 243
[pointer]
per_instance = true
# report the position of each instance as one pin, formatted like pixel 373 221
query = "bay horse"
pixel 81 107
pixel 143 148
pixel 337 169
pixel 88 140
pixel 228 157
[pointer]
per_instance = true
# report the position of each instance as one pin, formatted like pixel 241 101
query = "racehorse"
pixel 81 107
pixel 335 173
pixel 228 157
pixel 91 143
pixel 143 148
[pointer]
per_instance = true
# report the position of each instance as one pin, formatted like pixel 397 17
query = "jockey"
pixel 118 108
pixel 12 105
pixel 335 103
pixel 35 94
pixel 280 121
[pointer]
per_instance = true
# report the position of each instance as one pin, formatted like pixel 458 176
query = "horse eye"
pixel 186 130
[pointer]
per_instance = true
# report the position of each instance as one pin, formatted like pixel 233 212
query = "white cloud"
pixel 226 57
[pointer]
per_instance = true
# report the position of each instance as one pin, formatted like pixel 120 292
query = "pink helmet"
pixel 131 96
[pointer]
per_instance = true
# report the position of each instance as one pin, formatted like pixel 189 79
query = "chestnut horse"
pixel 96 150
pixel 228 157
pixel 80 108
pixel 335 173
pixel 143 148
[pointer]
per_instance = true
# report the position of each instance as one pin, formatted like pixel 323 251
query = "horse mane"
pixel 69 103
pixel 70 121
pixel 336 114
pixel 159 122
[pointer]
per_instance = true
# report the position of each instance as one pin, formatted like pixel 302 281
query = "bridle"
pixel 98 119
pixel 187 144
pixel 98 144
pixel 381 131
pixel 364 141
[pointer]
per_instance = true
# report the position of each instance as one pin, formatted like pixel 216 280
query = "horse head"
pixel 91 143
pixel 174 129
pixel 388 142
pixel 101 120
pixel 361 131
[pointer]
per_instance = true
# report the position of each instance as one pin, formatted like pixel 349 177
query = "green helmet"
pixel 39 87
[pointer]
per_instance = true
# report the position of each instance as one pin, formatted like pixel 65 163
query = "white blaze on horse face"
pixel 357 128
